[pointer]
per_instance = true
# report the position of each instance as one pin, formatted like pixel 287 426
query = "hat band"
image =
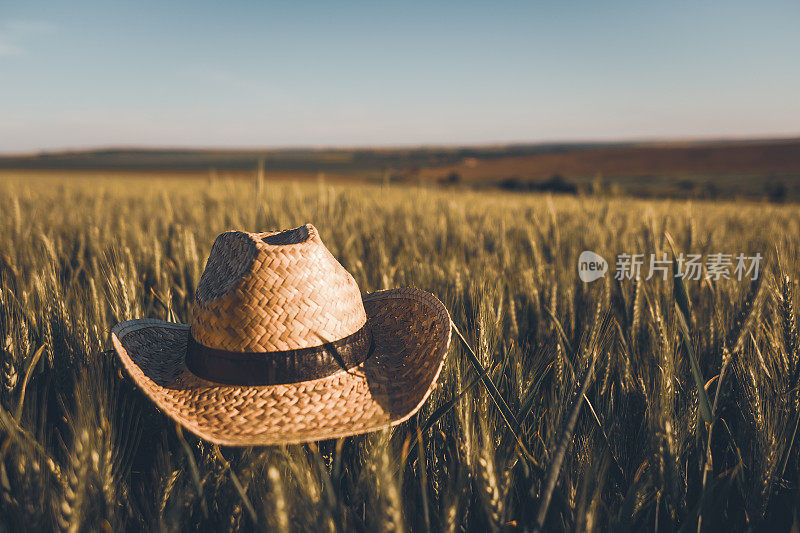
pixel 278 368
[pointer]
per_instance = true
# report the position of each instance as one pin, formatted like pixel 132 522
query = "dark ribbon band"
pixel 278 368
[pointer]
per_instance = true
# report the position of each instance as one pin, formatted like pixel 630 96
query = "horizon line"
pixel 648 140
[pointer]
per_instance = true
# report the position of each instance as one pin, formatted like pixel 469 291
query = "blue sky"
pixel 84 74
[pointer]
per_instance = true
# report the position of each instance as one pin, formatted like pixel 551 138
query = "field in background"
pixel 593 415
pixel 755 169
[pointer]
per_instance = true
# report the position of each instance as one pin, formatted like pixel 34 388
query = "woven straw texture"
pixel 266 292
pixel 411 331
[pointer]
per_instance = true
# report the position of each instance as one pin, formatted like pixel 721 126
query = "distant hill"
pixel 336 160
pixel 708 168
pixel 642 160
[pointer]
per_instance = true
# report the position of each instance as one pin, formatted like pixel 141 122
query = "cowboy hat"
pixel 282 347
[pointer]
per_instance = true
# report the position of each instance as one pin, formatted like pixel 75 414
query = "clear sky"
pixel 168 73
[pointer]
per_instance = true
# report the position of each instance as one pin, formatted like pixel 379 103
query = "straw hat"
pixel 283 348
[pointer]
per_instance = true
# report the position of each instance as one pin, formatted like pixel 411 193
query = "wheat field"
pixel 616 405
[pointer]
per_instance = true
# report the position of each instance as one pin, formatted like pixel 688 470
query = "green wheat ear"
pixel 789 328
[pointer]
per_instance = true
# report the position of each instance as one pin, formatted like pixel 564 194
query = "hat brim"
pixel 411 332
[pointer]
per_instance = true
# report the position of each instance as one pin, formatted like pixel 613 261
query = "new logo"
pixel 591 266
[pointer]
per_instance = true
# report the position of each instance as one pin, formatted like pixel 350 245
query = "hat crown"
pixel 271 292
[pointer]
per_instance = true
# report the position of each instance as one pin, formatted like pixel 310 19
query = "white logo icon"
pixel 591 266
